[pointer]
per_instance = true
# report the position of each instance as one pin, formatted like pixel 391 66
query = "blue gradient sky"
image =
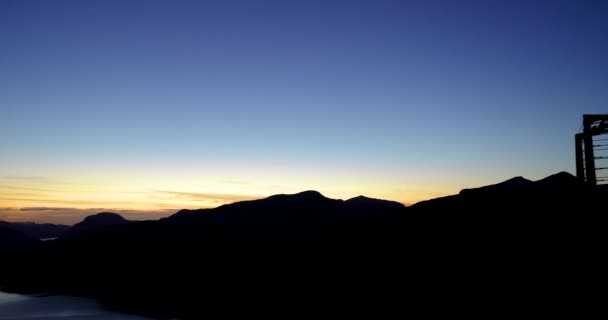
pixel 395 99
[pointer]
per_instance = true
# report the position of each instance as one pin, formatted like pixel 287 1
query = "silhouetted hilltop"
pixel 96 222
pixel 559 180
pixel 515 201
pixel 309 195
pixel 37 230
pixel 308 207
pixel 303 207
pixel 509 194
pixel 370 204
pixel 101 220
pixel 517 183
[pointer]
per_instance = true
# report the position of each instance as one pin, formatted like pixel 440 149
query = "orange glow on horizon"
pixel 151 194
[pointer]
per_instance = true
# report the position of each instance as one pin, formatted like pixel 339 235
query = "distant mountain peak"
pixel 106 214
pixel 559 179
pixel 104 217
pixel 513 183
pixel 363 202
pixel 304 195
pixel 560 176
pixel 362 198
pixel 96 221
pixel 310 194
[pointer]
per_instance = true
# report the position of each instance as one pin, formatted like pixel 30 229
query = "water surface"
pixel 16 306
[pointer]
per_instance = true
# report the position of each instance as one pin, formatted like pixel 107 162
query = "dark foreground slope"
pixel 12 240
pixel 37 230
pixel 309 253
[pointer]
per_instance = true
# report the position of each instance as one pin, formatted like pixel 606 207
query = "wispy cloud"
pixel 24 181
pixel 66 203
pixel 43 209
pixel 11 187
pixel 211 197
pixel 73 202
pixel 26 178
pixel 18 194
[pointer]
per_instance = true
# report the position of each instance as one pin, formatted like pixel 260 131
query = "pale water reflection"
pixel 16 306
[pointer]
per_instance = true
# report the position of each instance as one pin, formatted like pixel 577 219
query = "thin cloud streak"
pixel 82 202
pixel 43 209
pixel 10 187
pixel 26 178
pixel 202 196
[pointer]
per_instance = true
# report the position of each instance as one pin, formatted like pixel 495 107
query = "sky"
pixel 147 107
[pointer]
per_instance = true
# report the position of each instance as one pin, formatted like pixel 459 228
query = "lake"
pixel 16 306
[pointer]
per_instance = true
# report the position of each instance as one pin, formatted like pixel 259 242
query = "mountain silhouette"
pixel 515 192
pixel 561 180
pixel 517 183
pixel 37 230
pixel 101 220
pixel 95 222
pixel 284 249
pixel 308 207
pixel 370 204
pixel 533 210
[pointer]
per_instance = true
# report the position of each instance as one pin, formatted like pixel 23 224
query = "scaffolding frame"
pixel 585 149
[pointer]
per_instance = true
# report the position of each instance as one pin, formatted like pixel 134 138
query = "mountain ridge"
pixel 37 230
pixel 302 244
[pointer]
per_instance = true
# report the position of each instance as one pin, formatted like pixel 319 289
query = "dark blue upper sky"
pixel 394 94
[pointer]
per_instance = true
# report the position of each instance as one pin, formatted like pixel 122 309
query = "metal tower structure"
pixel 591 149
